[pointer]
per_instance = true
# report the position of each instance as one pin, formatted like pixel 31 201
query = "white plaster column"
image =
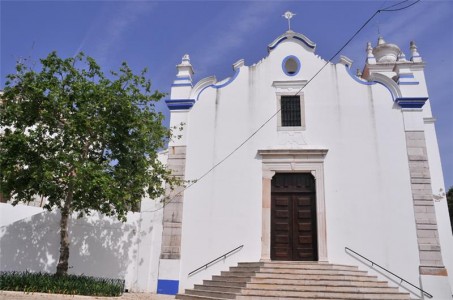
pixel 179 105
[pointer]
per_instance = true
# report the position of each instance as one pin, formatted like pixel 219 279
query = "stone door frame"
pixel 298 161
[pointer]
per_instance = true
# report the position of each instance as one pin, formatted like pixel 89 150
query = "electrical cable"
pixel 386 9
pixel 397 9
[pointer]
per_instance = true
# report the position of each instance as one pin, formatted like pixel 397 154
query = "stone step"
pixel 247 272
pixel 237 277
pixel 366 282
pixel 332 295
pixel 324 297
pixel 319 288
pixel 193 297
pixel 218 288
pixel 281 268
pixel 298 280
pixel 232 278
pixel 297 288
pixel 314 275
pixel 213 294
pixel 224 283
pixel 298 265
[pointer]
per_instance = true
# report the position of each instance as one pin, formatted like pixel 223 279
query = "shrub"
pixel 68 284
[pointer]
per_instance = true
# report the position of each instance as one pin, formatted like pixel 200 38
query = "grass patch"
pixel 70 284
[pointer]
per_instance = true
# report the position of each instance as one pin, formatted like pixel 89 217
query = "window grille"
pixel 290 110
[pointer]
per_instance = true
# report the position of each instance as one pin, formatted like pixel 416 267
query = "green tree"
pixel 450 205
pixel 83 140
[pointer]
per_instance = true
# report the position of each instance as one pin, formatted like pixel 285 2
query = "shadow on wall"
pixel 100 246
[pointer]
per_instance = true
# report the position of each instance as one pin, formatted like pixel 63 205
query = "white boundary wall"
pixel 100 246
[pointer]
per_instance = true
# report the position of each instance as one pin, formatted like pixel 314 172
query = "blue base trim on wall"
pixel 167 287
pixel 411 102
pixel 178 104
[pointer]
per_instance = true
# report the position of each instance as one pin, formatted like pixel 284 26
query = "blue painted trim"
pixel 167 287
pixel 408 83
pixel 302 40
pixel 236 73
pixel 179 104
pixel 198 96
pixel 275 46
pixel 407 75
pixel 230 80
pixel 357 79
pixel 284 63
pixel 368 82
pixel 182 84
pixel 183 78
pixel 411 102
pixel 388 89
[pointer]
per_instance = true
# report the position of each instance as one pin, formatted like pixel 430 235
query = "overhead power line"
pixel 390 8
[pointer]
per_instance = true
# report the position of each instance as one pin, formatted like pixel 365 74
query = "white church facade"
pixel 295 159
pixel 296 165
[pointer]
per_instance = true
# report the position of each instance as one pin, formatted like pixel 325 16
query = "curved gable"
pixel 296 37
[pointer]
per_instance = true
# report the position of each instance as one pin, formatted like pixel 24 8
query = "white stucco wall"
pixel 367 185
pixel 100 246
pixel 10 214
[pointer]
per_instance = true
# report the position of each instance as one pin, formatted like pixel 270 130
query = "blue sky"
pixel 155 34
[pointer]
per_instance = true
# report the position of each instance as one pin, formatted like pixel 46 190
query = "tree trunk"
pixel 62 267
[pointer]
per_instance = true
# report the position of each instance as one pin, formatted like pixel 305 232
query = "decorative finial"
pixel 415 57
pixel 288 15
pixel 185 72
pixel 370 59
pixel 358 73
pixel 402 56
pixel 369 49
pixel 380 40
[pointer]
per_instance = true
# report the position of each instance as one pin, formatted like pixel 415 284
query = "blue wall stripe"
pixel 406 75
pixel 408 83
pixel 182 84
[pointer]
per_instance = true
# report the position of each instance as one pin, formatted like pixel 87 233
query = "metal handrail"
pixel 205 266
pixel 375 264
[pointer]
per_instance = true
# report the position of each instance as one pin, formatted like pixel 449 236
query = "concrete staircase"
pixel 293 280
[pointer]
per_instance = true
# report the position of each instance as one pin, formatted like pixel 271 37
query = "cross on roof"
pixel 288 15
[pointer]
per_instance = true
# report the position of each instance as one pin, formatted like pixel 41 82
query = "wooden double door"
pixel 293 217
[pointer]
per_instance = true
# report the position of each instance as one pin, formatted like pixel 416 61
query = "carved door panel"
pixel 293 217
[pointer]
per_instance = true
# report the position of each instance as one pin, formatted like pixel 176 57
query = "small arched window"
pixel 291 65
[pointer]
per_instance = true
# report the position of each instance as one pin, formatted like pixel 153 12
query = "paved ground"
pixel 40 296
